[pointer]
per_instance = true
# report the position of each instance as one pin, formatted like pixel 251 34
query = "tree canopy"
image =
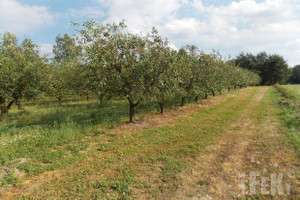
pixel 295 75
pixel 271 68
pixel 20 66
pixel 109 61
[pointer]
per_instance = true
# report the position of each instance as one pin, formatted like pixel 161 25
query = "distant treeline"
pixel 271 68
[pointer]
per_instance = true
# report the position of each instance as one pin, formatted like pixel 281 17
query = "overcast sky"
pixel 228 26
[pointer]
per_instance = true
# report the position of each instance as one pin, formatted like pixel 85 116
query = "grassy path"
pixel 206 153
pixel 254 144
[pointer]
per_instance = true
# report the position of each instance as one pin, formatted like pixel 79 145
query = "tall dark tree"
pixel 278 71
pixel 247 61
pixel 295 75
pixel 271 68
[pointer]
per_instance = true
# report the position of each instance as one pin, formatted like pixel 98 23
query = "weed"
pixel 9 179
pixel 102 147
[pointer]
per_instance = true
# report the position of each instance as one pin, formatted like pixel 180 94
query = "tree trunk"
pixel 213 93
pixel 101 97
pixel 205 95
pixel 182 101
pixel 228 89
pixel 9 105
pixel 197 98
pixel 162 106
pixel 4 109
pixel 19 103
pixel 60 100
pixel 87 97
pixel 4 112
pixel 220 92
pixel 132 110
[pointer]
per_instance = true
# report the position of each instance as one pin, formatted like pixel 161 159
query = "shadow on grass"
pixel 85 114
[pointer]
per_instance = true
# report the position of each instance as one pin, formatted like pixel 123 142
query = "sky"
pixel 228 26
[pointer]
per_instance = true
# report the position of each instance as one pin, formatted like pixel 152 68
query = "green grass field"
pixel 290 101
pixel 293 89
pixel 45 136
pixel 82 151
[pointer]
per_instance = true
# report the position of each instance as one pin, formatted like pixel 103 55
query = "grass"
pixel 140 165
pixel 290 112
pixel 45 136
pixel 150 161
pixel 9 179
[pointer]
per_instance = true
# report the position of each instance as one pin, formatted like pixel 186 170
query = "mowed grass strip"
pixel 148 162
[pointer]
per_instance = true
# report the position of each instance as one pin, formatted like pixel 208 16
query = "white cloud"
pixel 91 12
pixel 141 15
pixel 16 17
pixel 185 30
pixel 242 25
pixel 266 26
pixel 46 49
pixel 198 5
pixel 271 16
